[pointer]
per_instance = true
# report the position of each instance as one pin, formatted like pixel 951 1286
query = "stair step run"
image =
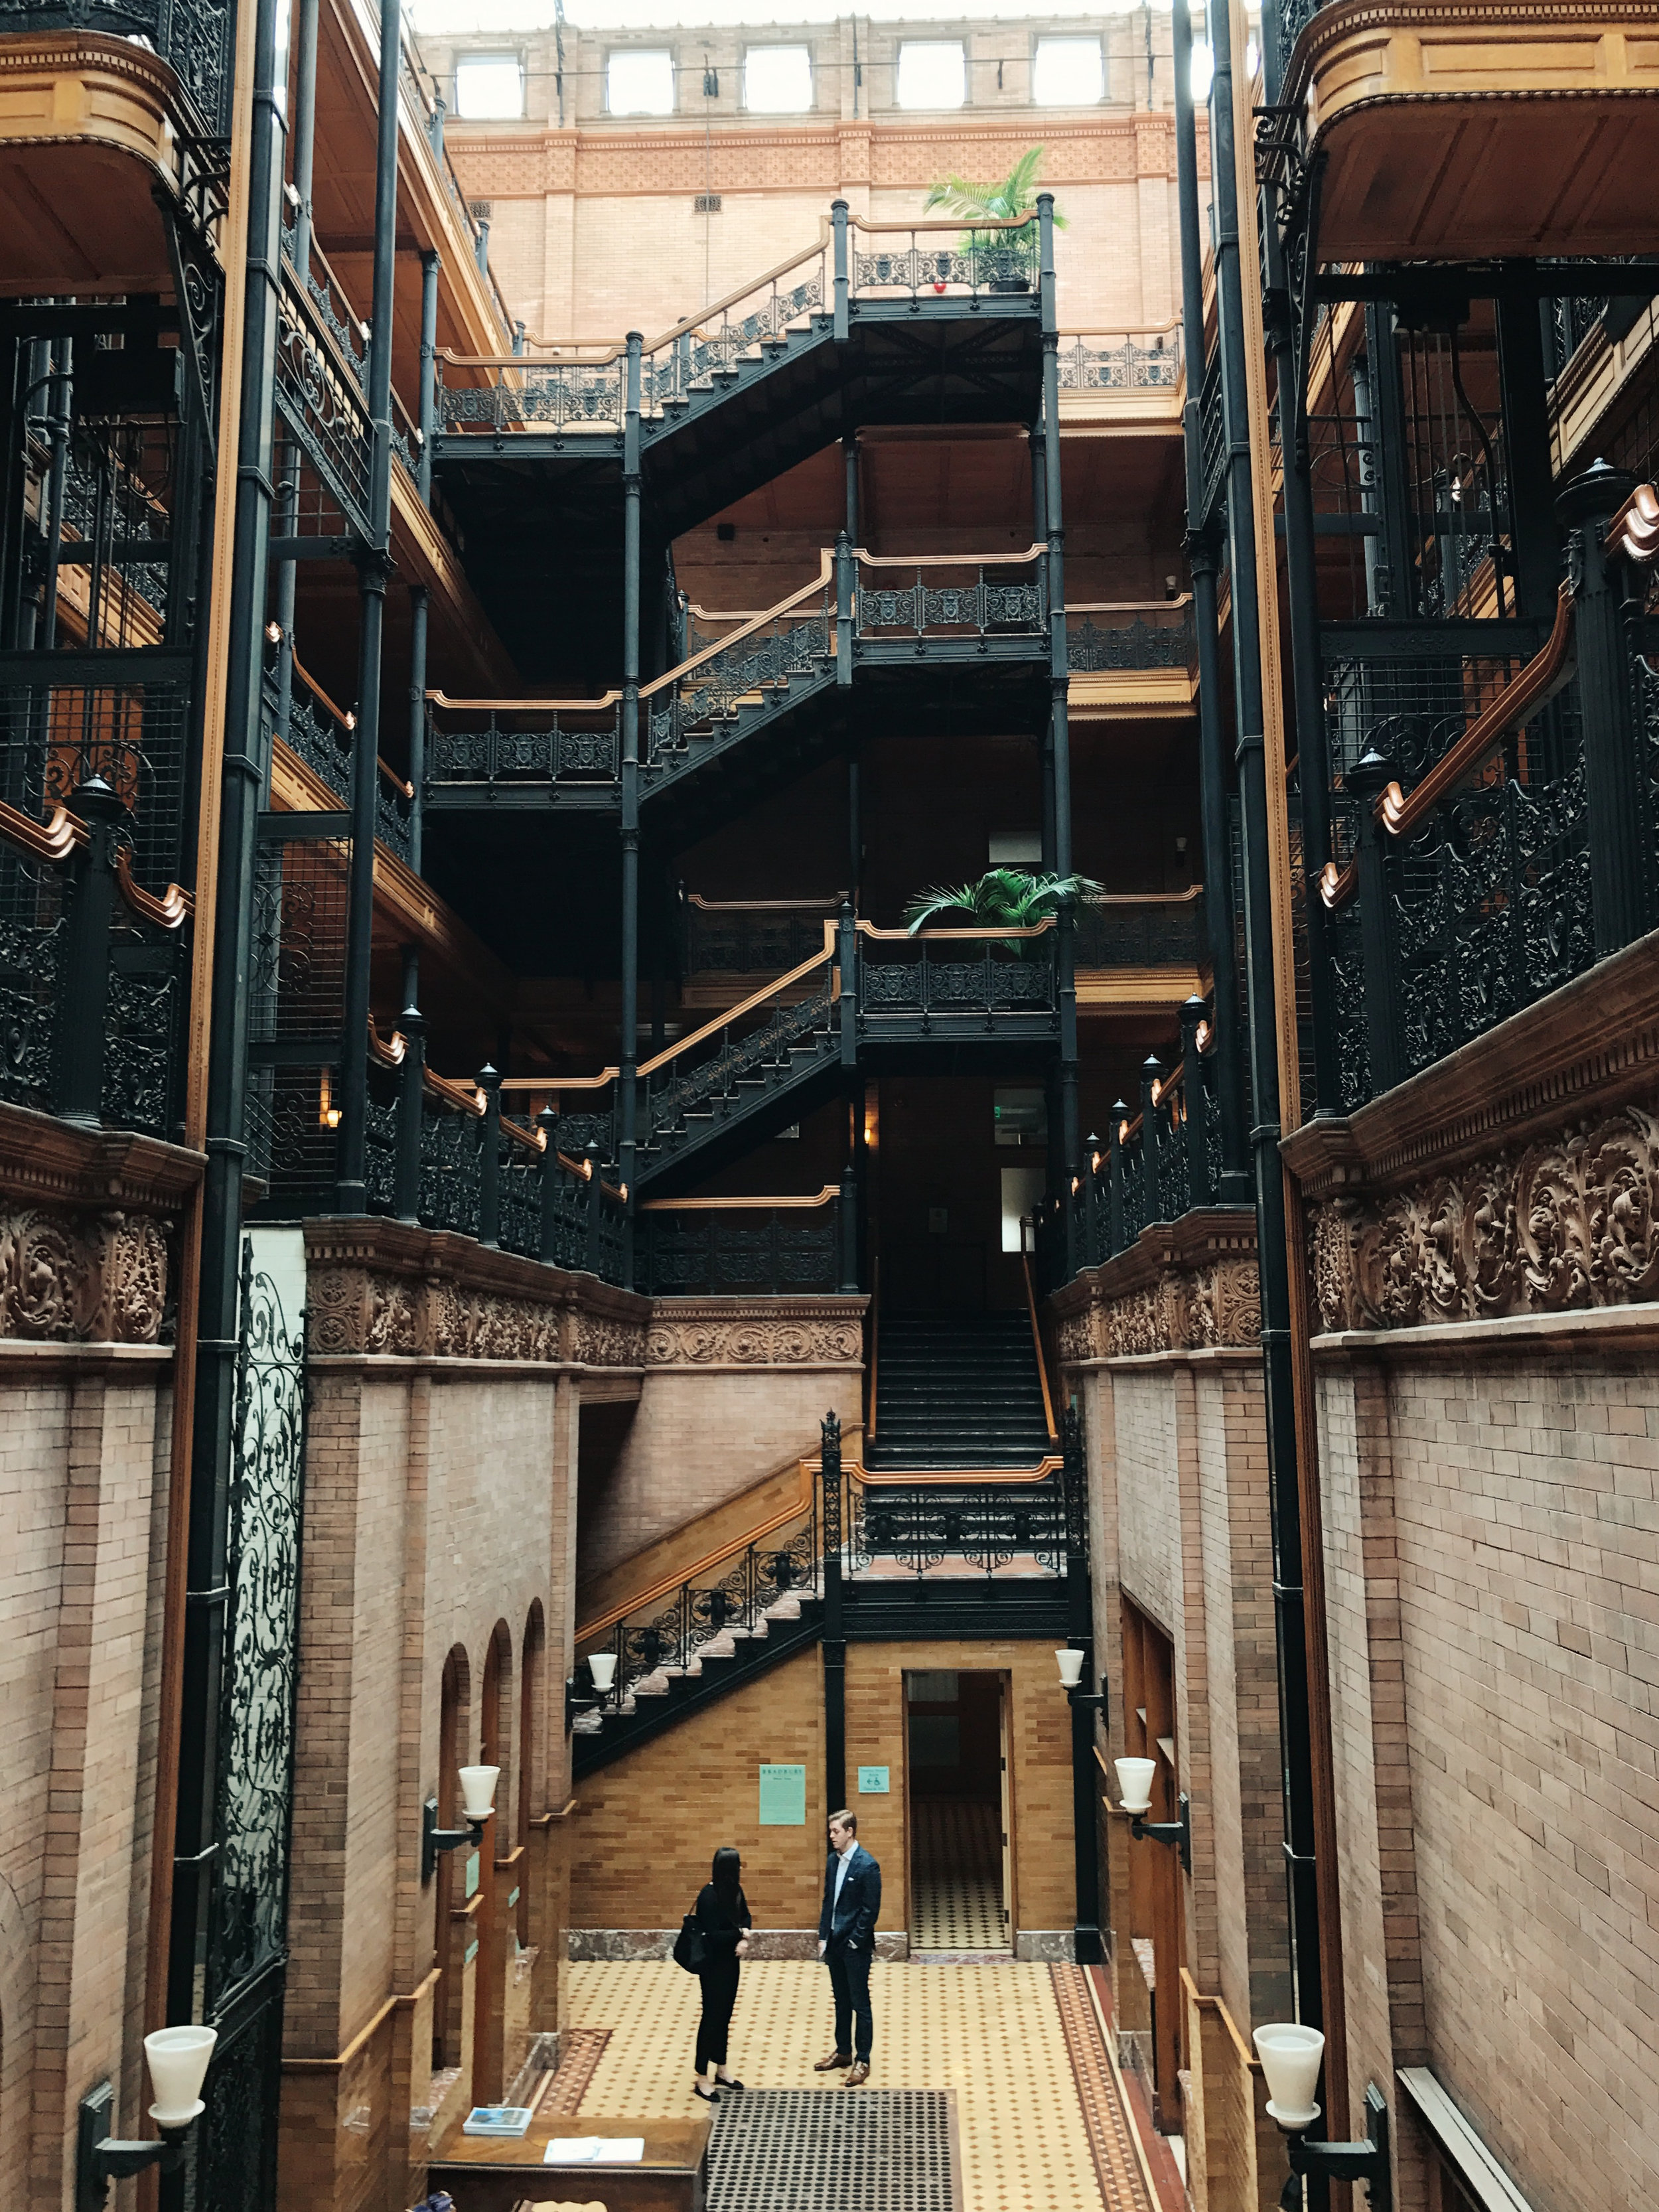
pixel 958 1390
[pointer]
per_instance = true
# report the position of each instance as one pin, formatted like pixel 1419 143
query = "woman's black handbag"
pixel 691 1947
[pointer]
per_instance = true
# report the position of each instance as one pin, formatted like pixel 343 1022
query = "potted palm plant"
pixel 1007 255
pixel 1007 898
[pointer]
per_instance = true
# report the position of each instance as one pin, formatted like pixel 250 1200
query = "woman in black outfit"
pixel 722 1914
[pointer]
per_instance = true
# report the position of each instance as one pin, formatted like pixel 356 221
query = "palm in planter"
pixel 1008 254
pixel 1006 898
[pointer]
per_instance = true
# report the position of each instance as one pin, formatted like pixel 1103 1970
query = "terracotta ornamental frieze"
pixel 87 1220
pixel 1190 1285
pixel 705 1333
pixel 1521 1176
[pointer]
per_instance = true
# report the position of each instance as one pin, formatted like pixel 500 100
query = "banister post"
pixel 843 288
pixel 1197 1104
pixel 847 959
pixel 1620 835
pixel 595 1201
pixel 1368 779
pixel 1150 1148
pixel 429 396
pixel 1079 1621
pixel 835 1636
pixel 490 1158
pixel 434 125
pixel 1091 1254
pixel 548 1122
pixel 411 1087
pixel 1115 1216
pixel 845 585
pixel 83 1005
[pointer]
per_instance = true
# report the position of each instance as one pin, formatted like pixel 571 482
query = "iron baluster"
pixel 1150 1147
pixel 1368 779
pixel 411 1090
pixel 1115 1238
pixel 1196 1103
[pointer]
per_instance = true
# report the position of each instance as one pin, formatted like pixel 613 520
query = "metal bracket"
pixel 1368 2161
pixel 1178 1832
pixel 435 1839
pixel 101 2158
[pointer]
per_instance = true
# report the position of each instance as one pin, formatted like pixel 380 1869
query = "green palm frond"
pixel 1014 196
pixel 1010 898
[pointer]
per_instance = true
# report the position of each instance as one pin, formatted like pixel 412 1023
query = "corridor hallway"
pixel 994 2033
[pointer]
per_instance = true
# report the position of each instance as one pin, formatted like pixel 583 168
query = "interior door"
pixel 1005 1729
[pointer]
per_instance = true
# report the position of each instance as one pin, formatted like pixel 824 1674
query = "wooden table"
pixel 492 2173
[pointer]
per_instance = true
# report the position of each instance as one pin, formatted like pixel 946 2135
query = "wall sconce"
pixel 1134 1779
pixel 178 2061
pixel 477 1803
pixel 1290 2057
pixel 602 1672
pixel 1070 1664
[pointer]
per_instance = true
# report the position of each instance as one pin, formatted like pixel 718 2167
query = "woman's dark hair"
pixel 727 1868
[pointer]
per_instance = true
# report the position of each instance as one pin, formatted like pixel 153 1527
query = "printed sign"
pixel 874 1781
pixel 783 1796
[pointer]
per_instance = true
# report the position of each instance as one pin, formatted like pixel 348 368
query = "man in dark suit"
pixel 846 1942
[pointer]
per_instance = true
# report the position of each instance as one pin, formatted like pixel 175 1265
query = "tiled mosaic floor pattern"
pixel 1121 2180
pixel 956 1876
pixel 583 2049
pixel 992 2032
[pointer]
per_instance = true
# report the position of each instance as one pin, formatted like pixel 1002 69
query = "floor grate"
pixel 866 2150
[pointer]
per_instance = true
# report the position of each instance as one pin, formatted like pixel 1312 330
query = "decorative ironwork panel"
pixel 767 1047
pixel 321 743
pixel 235 2148
pixel 322 406
pixel 540 395
pixel 31 947
pixel 1130 367
pixel 920 1527
pixel 449 1169
pixel 1094 647
pixel 1150 933
pixel 518 1199
pixel 247 1925
pixel 702 1253
pixel 147 986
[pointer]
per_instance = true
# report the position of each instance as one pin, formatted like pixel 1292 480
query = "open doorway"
pixel 958 1770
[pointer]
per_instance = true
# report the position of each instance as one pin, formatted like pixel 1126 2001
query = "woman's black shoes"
pixel 725 2081
pixel 705 2096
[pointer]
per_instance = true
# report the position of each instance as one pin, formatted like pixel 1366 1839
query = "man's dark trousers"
pixel 849 1977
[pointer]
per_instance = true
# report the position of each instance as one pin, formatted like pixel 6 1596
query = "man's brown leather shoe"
pixel 834 2062
pixel 859 2076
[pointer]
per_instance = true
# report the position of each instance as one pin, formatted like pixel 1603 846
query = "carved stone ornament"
pixel 1190 1285
pixel 97 1279
pixel 819 1333
pixel 1567 1223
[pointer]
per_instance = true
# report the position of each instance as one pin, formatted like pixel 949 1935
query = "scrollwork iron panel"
pixel 919 1527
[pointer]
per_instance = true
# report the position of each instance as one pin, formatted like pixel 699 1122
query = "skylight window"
pixel 932 73
pixel 639 80
pixel 777 80
pixel 489 87
pixel 1069 73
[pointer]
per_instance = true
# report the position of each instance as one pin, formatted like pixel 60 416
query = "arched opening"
pixel 533 1750
pixel 494 1749
pixel 449 1882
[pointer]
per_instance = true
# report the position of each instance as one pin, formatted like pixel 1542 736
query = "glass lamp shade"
pixel 1134 1779
pixel 1071 1668
pixel 478 1791
pixel 177 2060
pixel 1291 2057
pixel 602 1666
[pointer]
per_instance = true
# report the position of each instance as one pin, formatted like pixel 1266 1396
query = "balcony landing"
pixel 1453 131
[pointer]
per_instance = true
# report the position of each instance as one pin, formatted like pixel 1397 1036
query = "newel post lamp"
pixel 477 1803
pixel 602 1672
pixel 1290 2057
pixel 178 2061
pixel 1134 1779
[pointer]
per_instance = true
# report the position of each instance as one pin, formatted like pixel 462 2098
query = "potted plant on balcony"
pixel 1008 898
pixel 1008 255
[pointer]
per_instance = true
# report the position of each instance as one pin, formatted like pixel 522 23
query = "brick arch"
pixel 454 1744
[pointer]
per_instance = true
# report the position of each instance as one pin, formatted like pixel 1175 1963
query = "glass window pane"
pixel 489 87
pixel 931 73
pixel 640 81
pixel 777 80
pixel 1069 73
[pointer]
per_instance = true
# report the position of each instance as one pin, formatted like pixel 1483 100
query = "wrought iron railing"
pixel 1151 929
pixel 320 396
pixel 954 974
pixel 194 36
pixel 750 936
pixel 1130 635
pixel 944 599
pixel 914 1527
pixel 1120 360
pixel 761 1247
pixel 1157 1163
pixel 323 738
pixel 577 385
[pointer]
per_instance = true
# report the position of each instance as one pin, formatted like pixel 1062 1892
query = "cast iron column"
pixel 1203 556
pixel 1059 739
pixel 373 572
pixel 428 399
pixel 1079 1621
pixel 1296 1737
pixel 831 1494
pixel 628 1050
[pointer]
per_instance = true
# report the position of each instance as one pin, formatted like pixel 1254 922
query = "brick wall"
pixel 628 1872
pixel 1148 1512
pixel 1491 1540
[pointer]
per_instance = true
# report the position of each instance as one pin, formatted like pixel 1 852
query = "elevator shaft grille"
pixel 809 2150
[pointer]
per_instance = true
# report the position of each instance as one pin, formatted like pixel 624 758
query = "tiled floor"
pixel 993 2033
pixel 956 1876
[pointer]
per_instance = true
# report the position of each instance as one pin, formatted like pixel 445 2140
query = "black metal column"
pixel 373 573
pixel 213 1432
pixel 1535 536
pixel 831 1494
pixel 304 132
pixel 1294 1732
pixel 1059 728
pixel 428 403
pixel 1203 558
pixel 629 1044
pixel 1085 1772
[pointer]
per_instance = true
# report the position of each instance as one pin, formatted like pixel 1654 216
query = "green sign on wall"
pixel 873 1782
pixel 783 1796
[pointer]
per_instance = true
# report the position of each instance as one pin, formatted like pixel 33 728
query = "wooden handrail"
pixel 826 572
pixel 556 1082
pixel 533 1140
pixel 739 1205
pixel 442 701
pixel 53 840
pixel 667 1583
pixel 347 722
pixel 1036 1339
pixel 1126 606
pixel 167 912
pixel 744 1006
pixel 952 1477
pixel 829 905
pixel 958 936
pixel 386 1052
pixel 466 1095
pixel 1547 672
pixel 1143 898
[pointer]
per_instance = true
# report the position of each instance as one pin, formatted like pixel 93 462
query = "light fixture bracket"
pixel 1177 1831
pixel 435 1839
pixel 1369 2161
pixel 101 2158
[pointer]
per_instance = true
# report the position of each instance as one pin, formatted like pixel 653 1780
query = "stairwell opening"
pixel 959 1811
